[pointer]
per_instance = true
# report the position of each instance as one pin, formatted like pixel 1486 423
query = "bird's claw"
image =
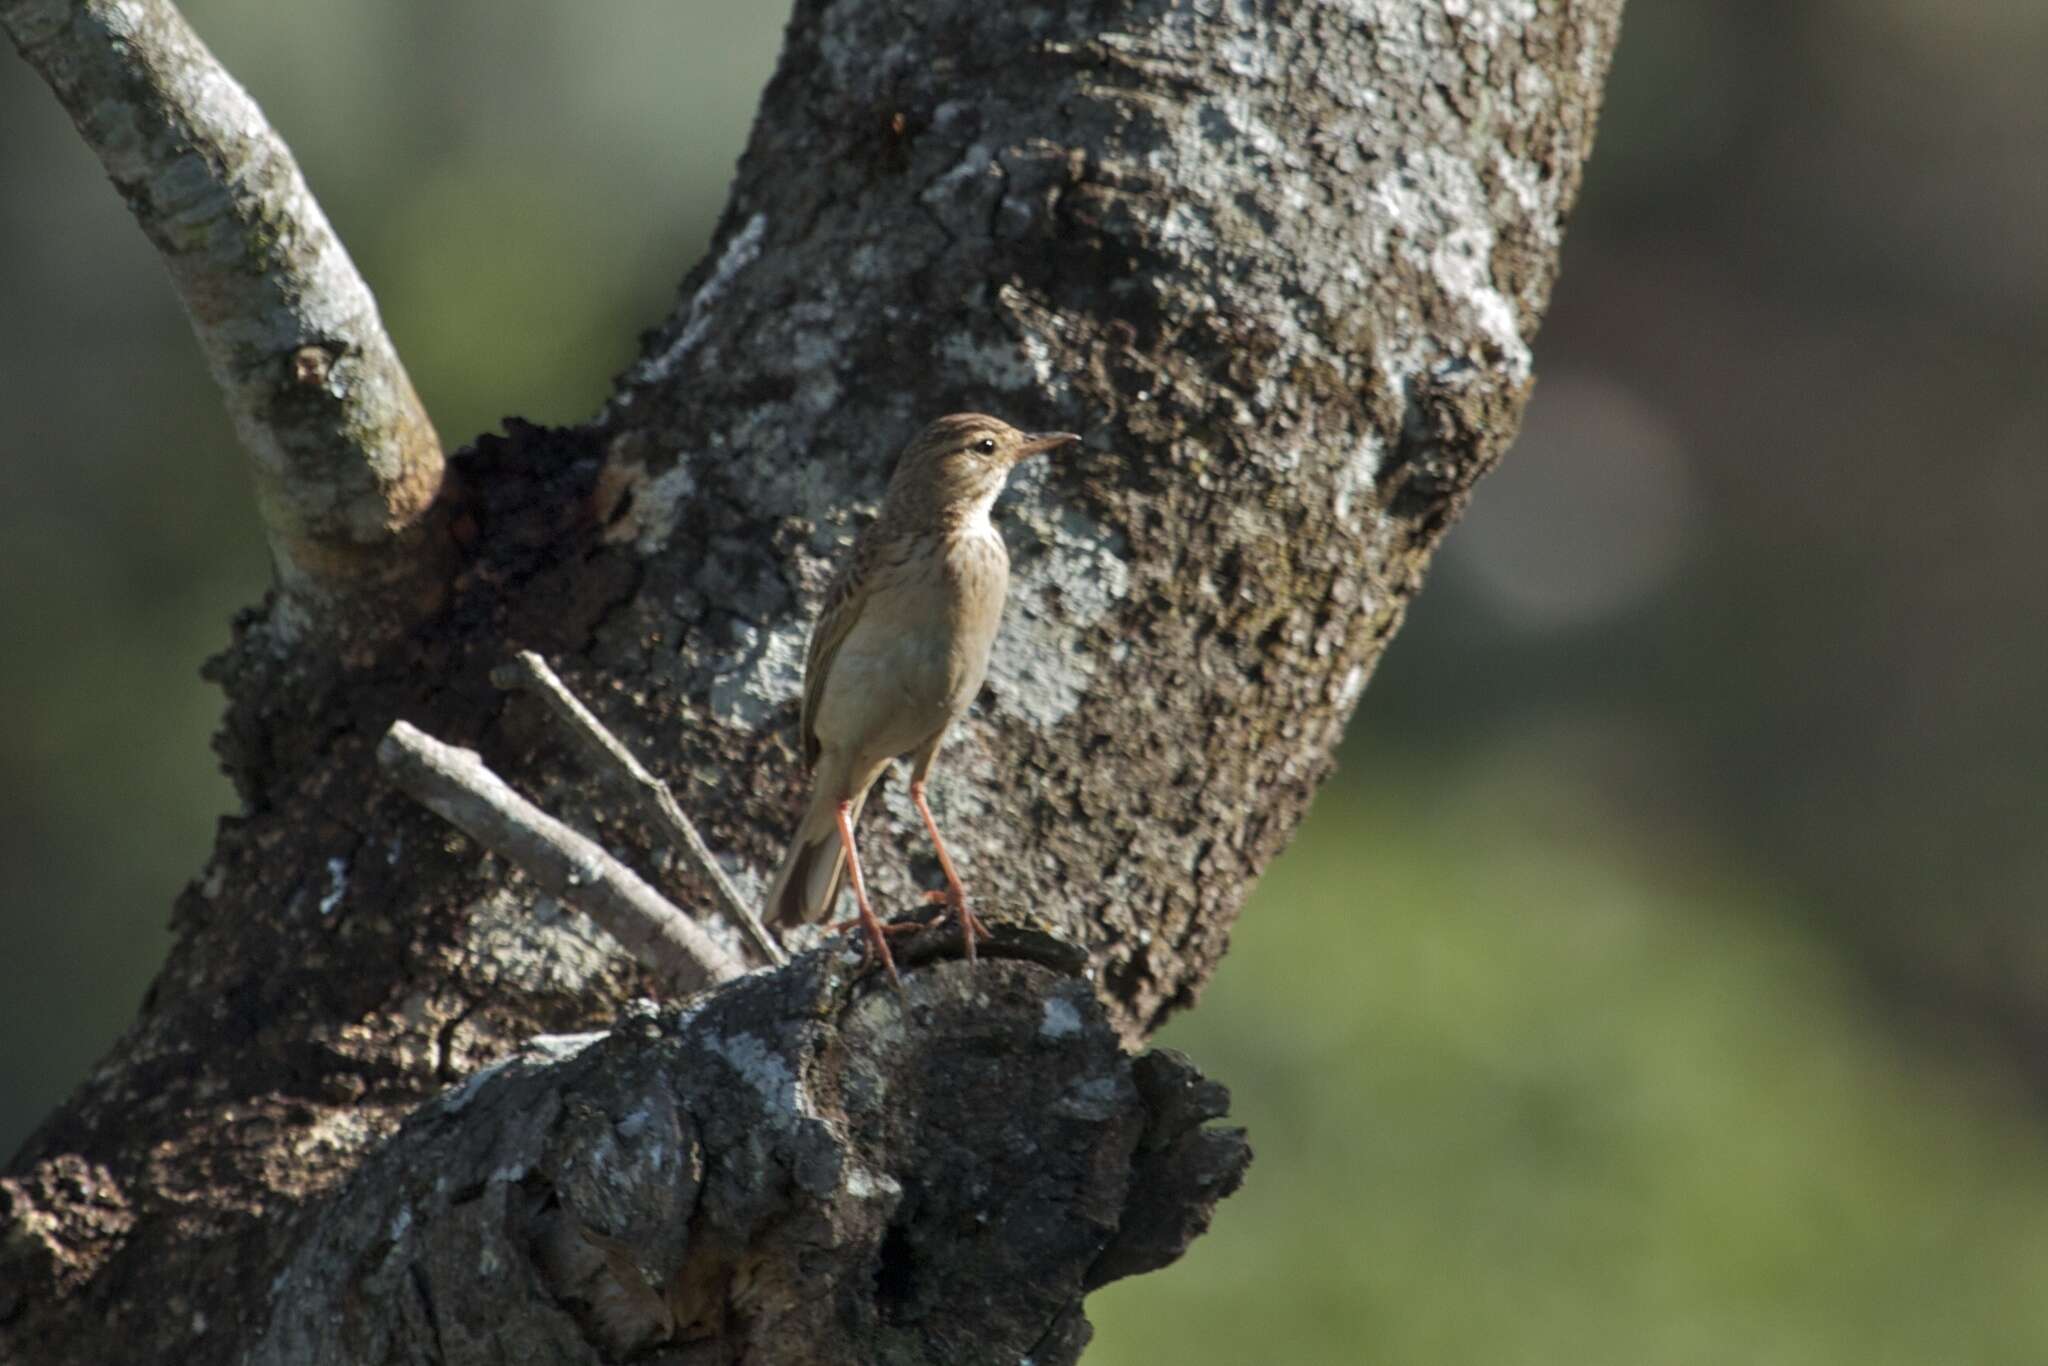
pixel 971 928
pixel 874 943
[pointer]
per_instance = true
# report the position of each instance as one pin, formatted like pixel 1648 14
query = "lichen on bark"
pixel 1281 265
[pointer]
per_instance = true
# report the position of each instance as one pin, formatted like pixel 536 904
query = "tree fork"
pixel 1280 264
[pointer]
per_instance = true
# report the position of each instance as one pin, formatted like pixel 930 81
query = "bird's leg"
pixel 877 940
pixel 955 895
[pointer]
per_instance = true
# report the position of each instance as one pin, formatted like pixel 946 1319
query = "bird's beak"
pixel 1044 441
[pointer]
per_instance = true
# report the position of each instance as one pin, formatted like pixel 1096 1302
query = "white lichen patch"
pixel 781 1091
pixel 1490 20
pixel 337 885
pixel 1532 197
pixel 1356 474
pixel 740 252
pixel 401 1224
pixel 1433 214
pixel 752 884
pixel 1352 684
pixel 955 805
pixel 1003 365
pixel 457 1097
pixel 767 672
pixel 819 333
pixel 1244 56
pixel 1060 1019
pixel 863 1184
pixel 1075 577
pixel 559 1047
pixel 635 1123
pixel 654 506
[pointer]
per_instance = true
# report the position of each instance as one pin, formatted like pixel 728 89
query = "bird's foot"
pixel 874 943
pixel 971 928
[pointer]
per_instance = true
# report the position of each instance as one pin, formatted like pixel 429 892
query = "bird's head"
pixel 959 462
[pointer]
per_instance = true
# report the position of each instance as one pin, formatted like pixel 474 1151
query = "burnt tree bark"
pixel 1281 265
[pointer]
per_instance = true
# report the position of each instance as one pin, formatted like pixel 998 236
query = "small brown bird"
pixel 898 653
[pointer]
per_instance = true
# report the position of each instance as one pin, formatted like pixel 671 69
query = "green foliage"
pixel 1514 1100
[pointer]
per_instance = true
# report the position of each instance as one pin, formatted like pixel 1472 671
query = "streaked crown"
pixel 958 463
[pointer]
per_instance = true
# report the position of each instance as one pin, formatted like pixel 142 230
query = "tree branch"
pixel 457 786
pixel 345 458
pixel 528 672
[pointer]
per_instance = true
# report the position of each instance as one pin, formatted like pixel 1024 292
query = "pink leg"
pixel 955 895
pixel 877 940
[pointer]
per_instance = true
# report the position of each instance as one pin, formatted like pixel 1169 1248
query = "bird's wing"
pixel 843 600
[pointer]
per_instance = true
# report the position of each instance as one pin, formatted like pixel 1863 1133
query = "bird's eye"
pixel 987 445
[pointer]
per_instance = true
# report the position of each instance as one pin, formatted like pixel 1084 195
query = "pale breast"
pixel 978 570
pixel 919 651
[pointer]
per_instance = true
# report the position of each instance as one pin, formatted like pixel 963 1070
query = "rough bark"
pixel 1281 264
pixel 803 1169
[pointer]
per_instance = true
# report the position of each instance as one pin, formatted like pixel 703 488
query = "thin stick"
pixel 528 672
pixel 457 786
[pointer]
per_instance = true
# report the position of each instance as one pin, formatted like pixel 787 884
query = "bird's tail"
pixel 807 885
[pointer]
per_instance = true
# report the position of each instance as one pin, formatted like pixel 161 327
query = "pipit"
pixel 896 656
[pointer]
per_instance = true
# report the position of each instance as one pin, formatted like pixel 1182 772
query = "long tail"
pixel 807 885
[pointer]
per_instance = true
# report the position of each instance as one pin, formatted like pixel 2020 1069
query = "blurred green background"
pixel 1665 976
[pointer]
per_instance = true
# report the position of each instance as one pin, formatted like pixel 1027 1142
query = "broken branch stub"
pixel 794 1169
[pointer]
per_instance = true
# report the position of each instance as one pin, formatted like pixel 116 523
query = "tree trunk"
pixel 1280 265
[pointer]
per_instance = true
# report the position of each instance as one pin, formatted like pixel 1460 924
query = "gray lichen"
pixel 1282 266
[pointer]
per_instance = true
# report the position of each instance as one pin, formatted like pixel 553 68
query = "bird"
pixel 898 651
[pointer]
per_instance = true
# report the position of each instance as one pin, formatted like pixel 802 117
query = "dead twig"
pixel 528 672
pixel 458 786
